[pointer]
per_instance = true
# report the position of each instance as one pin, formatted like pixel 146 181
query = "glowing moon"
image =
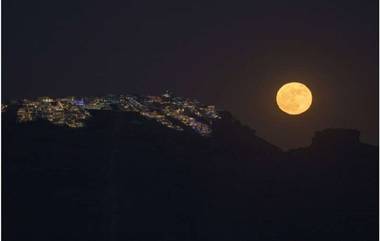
pixel 294 98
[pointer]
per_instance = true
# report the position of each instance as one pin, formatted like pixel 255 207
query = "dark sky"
pixel 234 55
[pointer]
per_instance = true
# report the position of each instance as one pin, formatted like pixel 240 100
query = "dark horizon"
pixel 233 56
pixel 330 137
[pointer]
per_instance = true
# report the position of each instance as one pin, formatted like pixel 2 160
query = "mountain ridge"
pixel 124 176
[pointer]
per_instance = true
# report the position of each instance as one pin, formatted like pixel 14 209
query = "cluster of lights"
pixel 62 112
pixel 173 112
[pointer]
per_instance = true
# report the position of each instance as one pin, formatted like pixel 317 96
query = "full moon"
pixel 294 98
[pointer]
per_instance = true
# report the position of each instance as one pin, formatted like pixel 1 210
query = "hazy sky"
pixel 232 54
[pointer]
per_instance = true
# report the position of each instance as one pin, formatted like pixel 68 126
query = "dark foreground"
pixel 126 178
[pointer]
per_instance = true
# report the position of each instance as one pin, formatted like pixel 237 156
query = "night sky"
pixel 234 55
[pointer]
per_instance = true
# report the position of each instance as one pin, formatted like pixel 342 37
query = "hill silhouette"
pixel 126 177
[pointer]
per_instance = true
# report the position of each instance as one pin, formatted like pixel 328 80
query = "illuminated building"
pixel 170 111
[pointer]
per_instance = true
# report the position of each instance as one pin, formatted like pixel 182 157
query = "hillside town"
pixel 173 112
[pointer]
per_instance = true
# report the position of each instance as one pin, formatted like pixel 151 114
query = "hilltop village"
pixel 170 111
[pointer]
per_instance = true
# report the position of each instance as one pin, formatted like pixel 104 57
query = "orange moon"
pixel 294 98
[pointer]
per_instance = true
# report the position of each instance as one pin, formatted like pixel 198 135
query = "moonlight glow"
pixel 294 98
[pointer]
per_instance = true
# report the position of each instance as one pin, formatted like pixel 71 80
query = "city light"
pixel 170 111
